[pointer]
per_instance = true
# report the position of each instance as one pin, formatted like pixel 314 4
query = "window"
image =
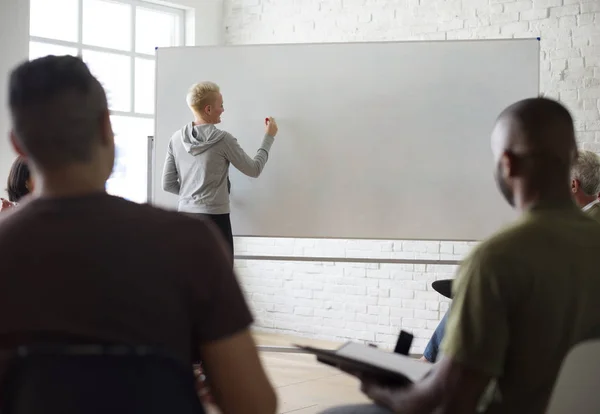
pixel 117 39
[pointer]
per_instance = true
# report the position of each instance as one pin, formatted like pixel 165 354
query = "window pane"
pixel 155 29
pixel 144 86
pixel 54 19
pixel 114 72
pixel 107 24
pixel 130 173
pixel 38 50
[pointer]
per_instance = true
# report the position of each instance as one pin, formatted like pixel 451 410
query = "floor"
pixel 303 385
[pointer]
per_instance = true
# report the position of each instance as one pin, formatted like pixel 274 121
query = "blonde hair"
pixel 587 170
pixel 200 95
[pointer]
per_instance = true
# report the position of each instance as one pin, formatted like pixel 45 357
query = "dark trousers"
pixel 223 223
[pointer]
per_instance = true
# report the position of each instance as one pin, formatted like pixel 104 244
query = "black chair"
pixel 443 287
pixel 97 380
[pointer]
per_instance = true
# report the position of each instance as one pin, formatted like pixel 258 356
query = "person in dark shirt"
pixel 81 266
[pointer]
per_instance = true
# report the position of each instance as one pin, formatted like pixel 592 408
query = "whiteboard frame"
pixel 152 151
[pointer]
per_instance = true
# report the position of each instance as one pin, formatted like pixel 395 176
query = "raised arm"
pixel 251 167
pixel 170 178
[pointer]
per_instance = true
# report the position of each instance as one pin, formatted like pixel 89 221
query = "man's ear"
pixel 575 185
pixel 15 144
pixel 107 136
pixel 508 163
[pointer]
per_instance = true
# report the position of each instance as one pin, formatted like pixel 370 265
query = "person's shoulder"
pixel 181 231
pixel 594 212
pixel 7 217
pixel 590 226
pixel 160 217
pixel 497 259
pixel 535 235
pixel 507 248
pixel 19 218
pixel 505 239
pixel 580 227
pixel 177 135
pixel 188 238
pixel 226 136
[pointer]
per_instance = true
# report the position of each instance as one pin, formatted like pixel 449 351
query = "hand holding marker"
pixel 270 127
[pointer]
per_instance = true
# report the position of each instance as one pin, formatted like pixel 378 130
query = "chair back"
pixel 576 388
pixel 97 380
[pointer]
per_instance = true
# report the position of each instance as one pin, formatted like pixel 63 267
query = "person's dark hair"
pixel 57 108
pixel 17 180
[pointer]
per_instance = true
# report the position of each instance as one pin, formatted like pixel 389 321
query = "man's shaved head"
pixel 533 140
pixel 537 126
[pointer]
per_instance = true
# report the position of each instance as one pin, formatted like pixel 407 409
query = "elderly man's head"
pixel 585 178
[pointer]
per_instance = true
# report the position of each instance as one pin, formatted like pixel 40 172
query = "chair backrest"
pixel 576 388
pixel 97 379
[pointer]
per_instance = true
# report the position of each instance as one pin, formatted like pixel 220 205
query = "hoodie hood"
pixel 198 138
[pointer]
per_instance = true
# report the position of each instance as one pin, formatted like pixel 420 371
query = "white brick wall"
pixel 341 301
pixel 373 302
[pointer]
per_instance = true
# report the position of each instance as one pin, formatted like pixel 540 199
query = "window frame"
pixel 79 46
pixel 132 54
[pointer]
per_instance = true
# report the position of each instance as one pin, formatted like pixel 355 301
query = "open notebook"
pixel 387 367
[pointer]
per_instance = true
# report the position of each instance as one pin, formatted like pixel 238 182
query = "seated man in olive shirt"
pixel 524 297
pixel 80 266
pixel 585 186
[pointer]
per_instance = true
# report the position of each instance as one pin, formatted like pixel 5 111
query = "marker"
pixel 266 120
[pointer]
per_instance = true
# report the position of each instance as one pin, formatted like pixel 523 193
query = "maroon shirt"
pixel 99 269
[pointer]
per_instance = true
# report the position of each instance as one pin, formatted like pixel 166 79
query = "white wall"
pixel 14 48
pixel 204 21
pixel 372 302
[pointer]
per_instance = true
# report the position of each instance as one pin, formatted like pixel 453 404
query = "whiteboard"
pixel 376 140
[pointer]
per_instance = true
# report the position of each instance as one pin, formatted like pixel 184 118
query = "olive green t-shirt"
pixel 522 299
pixel 594 211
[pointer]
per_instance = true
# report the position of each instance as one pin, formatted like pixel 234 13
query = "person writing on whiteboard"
pixel 198 158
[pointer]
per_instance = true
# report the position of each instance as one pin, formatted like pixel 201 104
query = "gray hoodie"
pixel 197 167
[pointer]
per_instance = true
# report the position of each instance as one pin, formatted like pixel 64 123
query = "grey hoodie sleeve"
pixel 170 178
pixel 252 167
